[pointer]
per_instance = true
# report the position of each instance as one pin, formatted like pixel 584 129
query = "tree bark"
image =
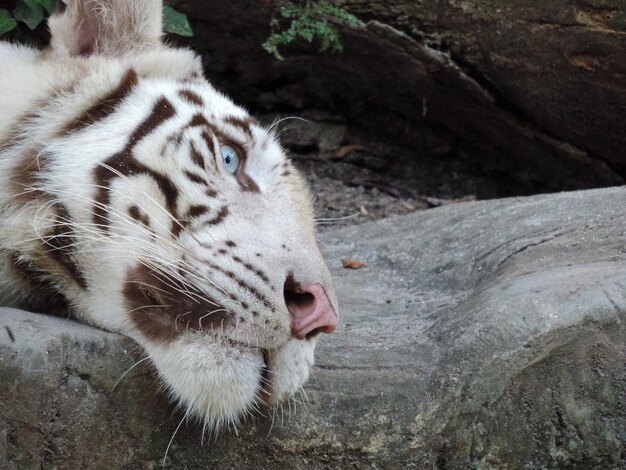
pixel 531 92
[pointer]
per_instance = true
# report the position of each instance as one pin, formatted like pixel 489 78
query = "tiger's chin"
pixel 220 382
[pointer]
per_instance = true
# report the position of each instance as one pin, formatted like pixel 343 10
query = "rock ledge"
pixel 479 335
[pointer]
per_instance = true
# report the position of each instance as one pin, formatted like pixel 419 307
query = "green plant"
pixel 175 22
pixel 310 20
pixel 31 14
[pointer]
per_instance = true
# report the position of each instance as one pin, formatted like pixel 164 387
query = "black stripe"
pixel 241 283
pixel 196 157
pixel 60 245
pixel 105 106
pixel 44 295
pixel 191 97
pixel 219 217
pixel 253 270
pixel 243 124
pixel 195 177
pixel 124 164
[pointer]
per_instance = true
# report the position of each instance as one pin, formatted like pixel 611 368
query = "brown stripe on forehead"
pixel 161 112
pixel 60 245
pixel 243 124
pixel 191 97
pixel 123 165
pixel 105 105
pixel 197 120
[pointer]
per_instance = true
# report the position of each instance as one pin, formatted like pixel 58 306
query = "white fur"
pixel 216 374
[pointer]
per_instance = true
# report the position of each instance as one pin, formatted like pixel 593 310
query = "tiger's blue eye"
pixel 230 158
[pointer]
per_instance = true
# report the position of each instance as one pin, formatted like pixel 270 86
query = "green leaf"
pixel 272 48
pixel 31 16
pixel 49 5
pixel 291 11
pixel 175 22
pixel 310 20
pixel 7 22
pixel 31 3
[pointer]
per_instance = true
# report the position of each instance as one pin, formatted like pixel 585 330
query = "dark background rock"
pixel 528 95
pixel 480 335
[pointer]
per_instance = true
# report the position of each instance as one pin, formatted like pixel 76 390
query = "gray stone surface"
pixel 479 335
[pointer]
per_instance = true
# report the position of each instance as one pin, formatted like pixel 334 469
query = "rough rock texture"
pixel 479 335
pixel 529 93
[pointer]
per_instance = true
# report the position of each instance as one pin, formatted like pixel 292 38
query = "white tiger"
pixel 141 200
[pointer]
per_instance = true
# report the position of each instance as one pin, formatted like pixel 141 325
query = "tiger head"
pixel 172 216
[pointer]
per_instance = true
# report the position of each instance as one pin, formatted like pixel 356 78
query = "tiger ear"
pixel 105 27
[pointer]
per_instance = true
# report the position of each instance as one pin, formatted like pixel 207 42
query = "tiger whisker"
pixel 277 121
pixel 128 370
pixel 336 219
pixel 125 220
pixel 165 211
pixel 147 306
pixel 172 438
pixel 210 313
pixel 108 239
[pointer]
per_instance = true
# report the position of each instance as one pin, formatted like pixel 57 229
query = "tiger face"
pixel 146 202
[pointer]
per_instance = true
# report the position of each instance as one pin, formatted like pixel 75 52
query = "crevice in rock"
pixel 523 117
pixel 557 233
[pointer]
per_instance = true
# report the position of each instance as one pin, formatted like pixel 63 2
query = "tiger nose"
pixel 311 311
